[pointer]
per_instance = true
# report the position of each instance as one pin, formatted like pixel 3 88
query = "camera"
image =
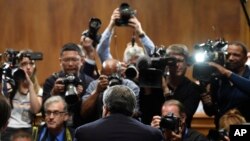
pixel 71 81
pixel 92 32
pixel 151 69
pixel 9 70
pixel 211 51
pixel 114 79
pixel 126 12
pixel 170 122
pixel 217 135
pixel 131 72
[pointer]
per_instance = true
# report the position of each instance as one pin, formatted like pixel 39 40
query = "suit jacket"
pixel 117 127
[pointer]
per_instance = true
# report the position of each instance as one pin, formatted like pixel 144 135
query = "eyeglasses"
pixel 55 113
pixel 67 60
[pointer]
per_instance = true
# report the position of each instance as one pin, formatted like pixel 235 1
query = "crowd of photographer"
pixel 149 87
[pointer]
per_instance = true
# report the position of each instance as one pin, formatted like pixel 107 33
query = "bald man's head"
pixel 111 66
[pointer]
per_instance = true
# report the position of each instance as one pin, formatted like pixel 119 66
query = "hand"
pixel 173 136
pixel 103 83
pixel 58 87
pixel 115 15
pixel 166 91
pixel 134 22
pixel 123 68
pixel 221 69
pixel 87 45
pixel 28 80
pixel 226 138
pixel 79 90
pixel 156 122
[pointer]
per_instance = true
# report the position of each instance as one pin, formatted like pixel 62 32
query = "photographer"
pixel 110 75
pixel 71 60
pixel 103 48
pixel 232 89
pixel 177 86
pixel 172 122
pixel 25 97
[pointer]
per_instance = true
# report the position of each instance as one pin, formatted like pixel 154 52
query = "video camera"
pixel 151 69
pixel 126 12
pixel 71 81
pixel 92 32
pixel 211 51
pixel 131 72
pixel 170 122
pixel 9 70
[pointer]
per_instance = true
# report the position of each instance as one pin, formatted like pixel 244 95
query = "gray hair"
pixel 55 99
pixel 120 99
pixel 132 51
pixel 179 49
pixel 177 104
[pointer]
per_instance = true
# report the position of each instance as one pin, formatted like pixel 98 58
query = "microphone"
pixel 133 40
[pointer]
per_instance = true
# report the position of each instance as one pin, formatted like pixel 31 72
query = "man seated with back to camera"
pixel 92 99
pixel 172 122
pixel 232 89
pixel 116 124
pixel 71 60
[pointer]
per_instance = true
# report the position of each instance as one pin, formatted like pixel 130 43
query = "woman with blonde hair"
pixel 231 117
pixel 25 98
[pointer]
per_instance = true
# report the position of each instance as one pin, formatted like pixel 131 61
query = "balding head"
pixel 111 66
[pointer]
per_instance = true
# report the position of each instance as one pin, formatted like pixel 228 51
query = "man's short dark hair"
pixel 120 99
pixel 5 110
pixel 71 47
pixel 240 44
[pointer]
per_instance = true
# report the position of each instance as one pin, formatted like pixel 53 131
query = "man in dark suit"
pixel 119 103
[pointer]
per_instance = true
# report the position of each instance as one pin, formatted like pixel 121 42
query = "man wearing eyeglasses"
pixel 71 62
pixel 56 115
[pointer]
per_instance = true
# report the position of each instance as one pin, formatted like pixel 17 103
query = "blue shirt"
pixel 233 93
pixel 59 137
pixel 103 48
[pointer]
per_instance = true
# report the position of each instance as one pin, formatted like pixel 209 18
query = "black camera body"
pixel 217 135
pixel 114 79
pixel 9 70
pixel 170 122
pixel 126 12
pixel 131 72
pixel 151 69
pixel 71 81
pixel 92 32
pixel 13 56
pixel 211 51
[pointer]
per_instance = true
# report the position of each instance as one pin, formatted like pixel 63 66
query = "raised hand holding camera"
pixel 126 12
